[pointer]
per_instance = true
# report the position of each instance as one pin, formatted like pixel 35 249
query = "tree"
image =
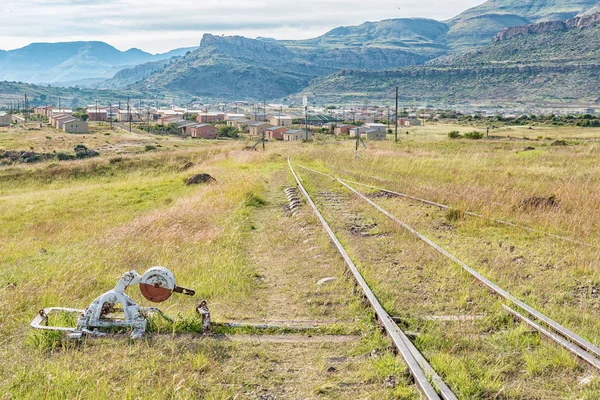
pixel 81 115
pixel 228 131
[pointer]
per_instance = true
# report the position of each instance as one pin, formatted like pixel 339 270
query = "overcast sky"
pixel 159 25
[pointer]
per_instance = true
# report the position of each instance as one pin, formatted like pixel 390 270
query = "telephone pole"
pixel 109 115
pixel 396 130
pixel 129 114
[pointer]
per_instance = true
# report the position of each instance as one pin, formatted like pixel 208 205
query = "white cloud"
pixel 159 26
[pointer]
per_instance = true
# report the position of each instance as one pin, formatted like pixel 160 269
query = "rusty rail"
pixel 573 337
pixel 417 365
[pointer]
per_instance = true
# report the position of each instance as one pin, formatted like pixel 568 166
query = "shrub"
pixel 454 135
pixel 149 147
pixel 475 135
pixel 453 215
pixel 81 152
pixel 64 156
pixel 228 131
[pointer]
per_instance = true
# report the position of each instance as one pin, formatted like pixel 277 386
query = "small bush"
pixel 62 156
pixel 81 152
pixel 453 215
pixel 475 135
pixel 150 147
pixel 454 135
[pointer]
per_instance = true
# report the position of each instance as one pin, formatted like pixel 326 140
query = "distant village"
pixel 271 122
pixel 292 125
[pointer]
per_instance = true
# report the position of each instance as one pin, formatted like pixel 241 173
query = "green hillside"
pixel 559 65
pixel 408 33
pixel 478 25
pixel 224 67
pixel 11 92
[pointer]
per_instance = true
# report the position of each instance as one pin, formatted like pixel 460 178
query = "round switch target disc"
pixel 157 284
pixel 156 294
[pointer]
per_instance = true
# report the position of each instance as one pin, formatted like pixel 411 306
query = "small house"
pixel 129 116
pixel 204 131
pixel 258 129
pixel 373 134
pixel 97 115
pixel 208 117
pixel 59 122
pixel 281 120
pixel 258 117
pixel 232 116
pixel 75 126
pixel 275 132
pixel 296 136
pixel 169 119
pixel 376 127
pixel 5 119
pixel 408 122
pixel 186 127
pixel 343 129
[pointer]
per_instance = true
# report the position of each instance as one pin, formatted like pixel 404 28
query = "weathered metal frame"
pixel 43 315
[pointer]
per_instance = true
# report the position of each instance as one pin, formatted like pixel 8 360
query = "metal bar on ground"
pixel 578 351
pixel 501 292
pixel 395 333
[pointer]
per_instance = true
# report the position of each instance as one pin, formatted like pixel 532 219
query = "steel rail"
pixel 499 221
pixel 417 369
pixel 497 289
pixel 578 351
pixel 315 171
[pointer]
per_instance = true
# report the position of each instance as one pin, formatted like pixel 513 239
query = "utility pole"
pixel 396 130
pixel 388 117
pixel 306 120
pixel 97 119
pixel 109 115
pixel 280 111
pixel 129 113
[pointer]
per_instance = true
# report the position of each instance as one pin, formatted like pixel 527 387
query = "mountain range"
pixel 225 66
pixel 72 62
pixel 549 63
pixel 509 43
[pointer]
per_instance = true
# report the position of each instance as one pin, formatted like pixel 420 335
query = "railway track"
pixel 419 367
pixel 549 328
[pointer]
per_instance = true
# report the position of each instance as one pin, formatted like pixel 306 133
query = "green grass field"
pixel 70 229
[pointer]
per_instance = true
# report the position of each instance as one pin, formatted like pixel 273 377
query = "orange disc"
pixel 156 294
